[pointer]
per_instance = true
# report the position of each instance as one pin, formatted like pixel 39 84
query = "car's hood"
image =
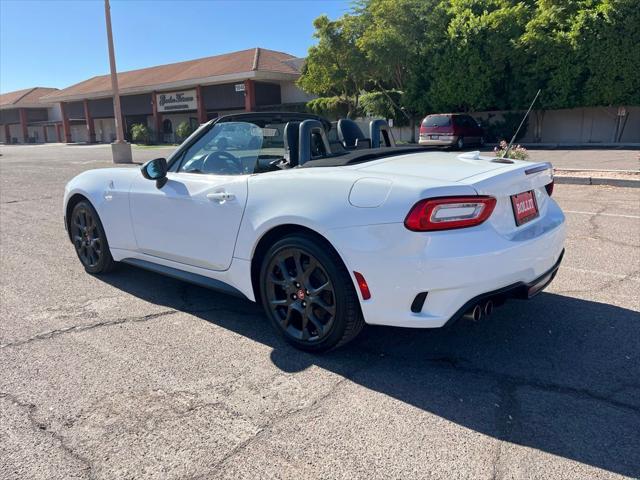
pixel 443 166
pixel 109 172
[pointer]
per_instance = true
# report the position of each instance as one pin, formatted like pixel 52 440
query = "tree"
pixel 383 105
pixel 335 66
pixel 466 55
pixel 545 57
pixel 432 18
pixel 390 39
pixel 473 68
pixel 606 38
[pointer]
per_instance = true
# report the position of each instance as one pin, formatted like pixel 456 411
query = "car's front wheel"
pixel 308 294
pixel 89 239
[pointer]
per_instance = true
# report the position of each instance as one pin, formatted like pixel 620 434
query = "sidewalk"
pixel 589 159
pixel 617 168
pixel 590 166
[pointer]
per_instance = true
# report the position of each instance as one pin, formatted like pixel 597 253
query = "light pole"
pixel 120 149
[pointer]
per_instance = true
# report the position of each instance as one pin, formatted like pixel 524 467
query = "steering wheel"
pixel 222 162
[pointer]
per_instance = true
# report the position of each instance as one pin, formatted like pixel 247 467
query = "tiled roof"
pixel 252 60
pixel 28 96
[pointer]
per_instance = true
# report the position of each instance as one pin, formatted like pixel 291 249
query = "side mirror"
pixel 155 169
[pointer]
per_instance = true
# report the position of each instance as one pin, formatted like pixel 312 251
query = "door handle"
pixel 220 197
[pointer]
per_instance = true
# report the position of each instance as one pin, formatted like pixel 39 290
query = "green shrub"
pixel 184 130
pixel 330 107
pixel 140 133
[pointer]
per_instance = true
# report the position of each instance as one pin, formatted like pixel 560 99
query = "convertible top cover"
pixel 360 156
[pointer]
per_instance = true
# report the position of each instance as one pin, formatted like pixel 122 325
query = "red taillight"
pixel 446 213
pixel 362 284
pixel 423 129
pixel 549 188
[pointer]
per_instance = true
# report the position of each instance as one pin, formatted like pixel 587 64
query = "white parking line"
pixel 603 214
pixel 598 272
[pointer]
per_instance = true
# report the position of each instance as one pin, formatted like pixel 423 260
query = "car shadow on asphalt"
pixel 557 373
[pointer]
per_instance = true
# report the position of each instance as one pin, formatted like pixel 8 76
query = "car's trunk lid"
pixel 444 166
pixel 514 179
pixel 486 175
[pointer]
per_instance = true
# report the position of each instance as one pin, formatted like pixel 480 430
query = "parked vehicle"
pixel 452 130
pixel 326 235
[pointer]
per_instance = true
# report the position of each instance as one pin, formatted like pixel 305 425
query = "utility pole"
pixel 120 149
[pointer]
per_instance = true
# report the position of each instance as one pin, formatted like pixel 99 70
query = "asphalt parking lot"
pixel 134 375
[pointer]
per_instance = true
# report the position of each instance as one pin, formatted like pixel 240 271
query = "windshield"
pixel 235 148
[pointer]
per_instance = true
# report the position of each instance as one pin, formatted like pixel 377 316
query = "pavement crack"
pixel 42 428
pixel 506 414
pixel 84 327
pixel 596 229
pixel 503 379
pixel 269 426
pixel 615 282
pixel 23 200
pixel 555 388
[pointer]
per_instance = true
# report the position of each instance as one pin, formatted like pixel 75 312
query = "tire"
pixel 460 143
pixel 89 239
pixel 313 304
pixel 482 141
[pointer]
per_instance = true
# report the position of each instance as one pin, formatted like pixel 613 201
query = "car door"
pixel 193 219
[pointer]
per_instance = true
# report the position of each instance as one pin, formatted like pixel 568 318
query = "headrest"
pixel 291 144
pixel 349 132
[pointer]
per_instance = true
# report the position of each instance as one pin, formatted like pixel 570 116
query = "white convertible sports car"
pixel 326 234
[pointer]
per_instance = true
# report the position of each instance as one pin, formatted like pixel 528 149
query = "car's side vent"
pixel 418 302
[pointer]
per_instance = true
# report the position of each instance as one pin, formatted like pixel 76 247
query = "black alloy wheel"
pixel 89 239
pixel 308 294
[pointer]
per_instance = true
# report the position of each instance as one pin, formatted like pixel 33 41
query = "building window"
pixel 167 126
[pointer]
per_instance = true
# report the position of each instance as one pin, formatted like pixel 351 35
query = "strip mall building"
pixel 161 97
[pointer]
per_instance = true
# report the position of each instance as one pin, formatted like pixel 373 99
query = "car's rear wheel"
pixel 89 239
pixel 460 143
pixel 308 294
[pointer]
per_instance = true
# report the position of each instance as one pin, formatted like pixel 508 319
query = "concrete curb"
pixel 612 182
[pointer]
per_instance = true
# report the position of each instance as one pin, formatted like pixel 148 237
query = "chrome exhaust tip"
pixel 474 314
pixel 488 308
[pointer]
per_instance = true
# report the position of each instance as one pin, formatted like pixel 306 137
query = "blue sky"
pixel 58 43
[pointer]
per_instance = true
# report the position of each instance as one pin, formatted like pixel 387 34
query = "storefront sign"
pixel 177 101
pixel 239 87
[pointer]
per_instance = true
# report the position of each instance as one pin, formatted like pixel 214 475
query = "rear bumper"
pixel 519 290
pixel 451 140
pixel 456 268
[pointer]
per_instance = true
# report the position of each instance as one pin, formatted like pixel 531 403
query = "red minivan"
pixel 450 129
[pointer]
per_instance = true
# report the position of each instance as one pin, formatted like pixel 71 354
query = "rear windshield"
pixel 437 121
